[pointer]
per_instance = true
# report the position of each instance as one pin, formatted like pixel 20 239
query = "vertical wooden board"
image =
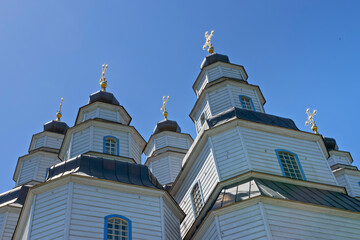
pixel 204 108
pixel 261 148
pixel 290 223
pixel 229 154
pixel 92 204
pixel 2 223
pixel 244 223
pixel 136 150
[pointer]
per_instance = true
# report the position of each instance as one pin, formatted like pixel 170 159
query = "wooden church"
pixel 246 175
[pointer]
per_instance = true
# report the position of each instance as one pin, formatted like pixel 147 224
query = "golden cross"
pixel 311 121
pixel 59 114
pixel 103 82
pixel 163 108
pixel 208 43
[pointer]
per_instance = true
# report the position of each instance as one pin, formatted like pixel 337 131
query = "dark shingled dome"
pixel 330 144
pixel 167 125
pixel 56 126
pixel 213 58
pixel 108 169
pixel 105 97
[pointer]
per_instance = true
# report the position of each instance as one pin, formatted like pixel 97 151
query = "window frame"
pixel 117 144
pixel 251 101
pixel 192 200
pixel 297 162
pixel 106 218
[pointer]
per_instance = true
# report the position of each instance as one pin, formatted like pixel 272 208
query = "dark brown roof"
pixel 167 125
pixel 15 196
pixel 253 116
pixel 213 58
pixel 105 97
pixel 255 187
pixel 56 126
pixel 108 169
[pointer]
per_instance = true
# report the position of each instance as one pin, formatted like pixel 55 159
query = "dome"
pixel 330 144
pixel 213 58
pixel 105 97
pixel 56 126
pixel 167 125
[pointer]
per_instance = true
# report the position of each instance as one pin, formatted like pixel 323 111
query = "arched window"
pixel 290 164
pixel 117 228
pixel 197 200
pixel 246 102
pixel 111 145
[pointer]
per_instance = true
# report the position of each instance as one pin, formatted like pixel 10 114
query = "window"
pixel 111 145
pixel 246 103
pixel 197 200
pixel 117 228
pixel 202 119
pixel 290 165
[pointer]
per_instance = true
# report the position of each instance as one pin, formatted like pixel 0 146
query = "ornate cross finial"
pixel 103 82
pixel 59 114
pixel 311 121
pixel 208 43
pixel 163 108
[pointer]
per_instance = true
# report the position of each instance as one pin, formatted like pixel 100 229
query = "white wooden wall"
pixel 47 141
pixel 167 139
pixel 103 113
pixel 35 168
pixel 350 179
pixel 8 221
pixel 166 167
pixel 335 159
pixel 211 233
pixel 261 147
pixel 204 108
pixel 98 140
pixel 77 211
pixel 217 71
pixel 80 143
pixel 290 223
pixel 203 170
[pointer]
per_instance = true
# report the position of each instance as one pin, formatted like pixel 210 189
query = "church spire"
pixel 103 82
pixel 59 114
pixel 208 43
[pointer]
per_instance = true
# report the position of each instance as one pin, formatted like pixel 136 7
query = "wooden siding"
pixel 236 91
pixel 350 179
pixel 261 152
pixel 334 159
pixel 204 108
pixel 176 162
pixel 136 150
pixel 80 143
pixel 161 171
pixel 8 221
pixel 290 223
pixel 220 100
pixel 48 218
pixel 167 139
pixel 172 224
pixel 104 113
pixel 35 168
pixel 47 141
pixel 229 154
pixel 245 223
pixel 204 170
pixel 90 205
pixel 98 140
pixel 354 181
pixel 211 233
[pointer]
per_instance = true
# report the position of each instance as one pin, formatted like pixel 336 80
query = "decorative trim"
pixel 242 105
pixel 117 143
pixel 213 155
pixel 266 224
pixel 68 210
pixel 218 226
pixel 297 161
pixel 117 216
pixel 238 129
pixel 191 199
pixel 31 217
pixel 162 218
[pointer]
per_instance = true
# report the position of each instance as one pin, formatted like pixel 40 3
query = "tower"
pixel 252 175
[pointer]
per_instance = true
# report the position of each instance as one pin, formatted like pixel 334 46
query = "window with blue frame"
pixel 117 228
pixel 246 102
pixel 111 145
pixel 290 165
pixel 197 200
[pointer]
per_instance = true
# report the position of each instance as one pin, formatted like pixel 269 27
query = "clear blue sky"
pixel 301 54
